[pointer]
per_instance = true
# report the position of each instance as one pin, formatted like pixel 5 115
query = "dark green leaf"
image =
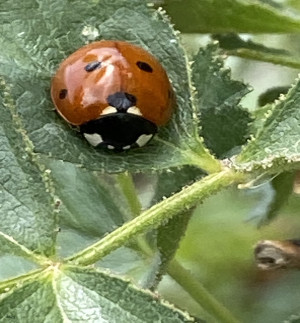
pixel 90 202
pixel 236 46
pixel 233 41
pixel 168 240
pixel 224 122
pixel 83 295
pixel 113 299
pixel 276 146
pixel 11 265
pixel 170 234
pixel 271 95
pixel 259 116
pixel 265 101
pixel 220 16
pixel 283 187
pixel 33 301
pixel 27 214
pixel 33 48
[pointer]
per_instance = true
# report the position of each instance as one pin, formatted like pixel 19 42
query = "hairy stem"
pixel 128 189
pixel 156 215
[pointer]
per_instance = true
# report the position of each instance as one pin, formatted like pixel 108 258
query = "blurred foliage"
pixel 217 248
pixel 248 16
pixel 234 45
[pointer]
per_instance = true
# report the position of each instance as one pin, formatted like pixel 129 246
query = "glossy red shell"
pixel 81 96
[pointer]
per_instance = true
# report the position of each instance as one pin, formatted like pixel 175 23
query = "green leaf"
pixel 236 46
pixel 11 265
pixel 84 295
pixel 168 240
pixel 90 202
pixel 170 234
pixel 113 299
pixel 127 262
pixel 283 188
pixel 265 101
pixel 31 301
pixel 224 121
pixel 270 96
pixel 221 16
pixel 39 44
pixel 27 212
pixel 276 146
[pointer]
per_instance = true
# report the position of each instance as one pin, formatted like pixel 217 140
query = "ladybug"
pixel 117 94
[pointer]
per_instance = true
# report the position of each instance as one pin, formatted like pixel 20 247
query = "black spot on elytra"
pixel 144 66
pixel 90 67
pixel 63 93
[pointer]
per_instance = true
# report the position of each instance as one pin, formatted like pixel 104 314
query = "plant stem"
pixel 27 253
pixel 198 156
pixel 156 215
pixel 8 284
pixel 196 290
pixel 202 158
pixel 128 189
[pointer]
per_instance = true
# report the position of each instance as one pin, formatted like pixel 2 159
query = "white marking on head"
pixel 109 110
pixel 93 138
pixel 110 147
pixel 126 147
pixel 143 139
pixel 134 110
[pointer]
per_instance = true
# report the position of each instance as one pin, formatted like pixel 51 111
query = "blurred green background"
pixel 218 248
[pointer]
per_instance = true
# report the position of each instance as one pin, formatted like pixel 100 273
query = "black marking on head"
pixel 144 66
pixel 119 130
pixel 122 101
pixel 63 93
pixel 90 67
